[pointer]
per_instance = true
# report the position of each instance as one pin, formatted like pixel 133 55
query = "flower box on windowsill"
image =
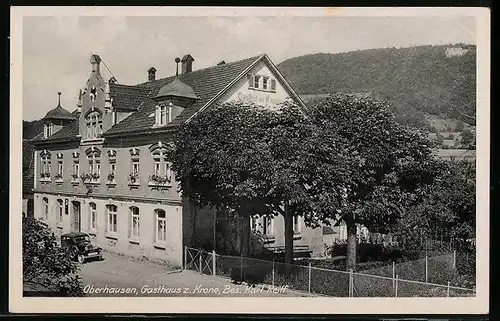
pixel 91 179
pixel 159 181
pixel 134 180
pixel 111 180
pixel 45 177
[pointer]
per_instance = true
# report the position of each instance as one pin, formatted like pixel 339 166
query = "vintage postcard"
pixel 249 160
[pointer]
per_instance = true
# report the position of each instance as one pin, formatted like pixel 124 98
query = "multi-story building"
pixel 102 169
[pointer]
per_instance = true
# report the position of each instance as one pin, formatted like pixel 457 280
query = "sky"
pixel 56 50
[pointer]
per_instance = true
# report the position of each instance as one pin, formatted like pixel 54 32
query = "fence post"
pixel 273 273
pixel 454 259
pixel 351 283
pixel 393 274
pixel 185 257
pixel 426 269
pixel 200 262
pixel 309 286
pixel 396 288
pixel 213 263
pixel 448 290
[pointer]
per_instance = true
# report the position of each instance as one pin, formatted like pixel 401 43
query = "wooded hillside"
pixel 438 80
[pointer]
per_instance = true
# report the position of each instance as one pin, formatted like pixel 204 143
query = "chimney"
pixel 187 64
pixel 151 74
pixel 95 60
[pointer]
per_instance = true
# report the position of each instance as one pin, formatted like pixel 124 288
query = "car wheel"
pixel 99 258
pixel 80 258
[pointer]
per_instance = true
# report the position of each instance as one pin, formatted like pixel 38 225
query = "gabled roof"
pixel 206 83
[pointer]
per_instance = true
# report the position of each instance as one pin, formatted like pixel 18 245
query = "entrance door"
pixel 76 219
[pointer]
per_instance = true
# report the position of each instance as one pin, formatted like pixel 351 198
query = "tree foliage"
pixel 388 164
pixel 415 79
pixel 446 206
pixel 46 265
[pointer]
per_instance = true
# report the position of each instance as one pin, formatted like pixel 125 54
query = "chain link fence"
pixel 408 279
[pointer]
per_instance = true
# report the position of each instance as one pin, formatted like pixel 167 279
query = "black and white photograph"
pixel 189 154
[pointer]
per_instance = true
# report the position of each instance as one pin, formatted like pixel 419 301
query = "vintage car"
pixel 80 247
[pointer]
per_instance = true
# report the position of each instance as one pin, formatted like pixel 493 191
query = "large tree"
pixel 254 161
pixel 46 265
pixel 388 164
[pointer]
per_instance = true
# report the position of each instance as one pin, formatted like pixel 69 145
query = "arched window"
pixel 94 158
pixel 112 218
pixel 94 124
pixel 45 202
pixel 134 222
pixel 92 216
pixel 46 164
pixel 162 174
pixel 160 226
pixel 60 210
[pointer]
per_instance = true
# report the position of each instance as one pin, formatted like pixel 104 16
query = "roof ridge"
pixel 202 69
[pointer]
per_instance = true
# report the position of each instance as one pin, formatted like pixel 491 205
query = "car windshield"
pixel 79 239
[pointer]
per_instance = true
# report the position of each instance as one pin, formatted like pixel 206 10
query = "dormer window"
pixel 48 130
pixel 163 114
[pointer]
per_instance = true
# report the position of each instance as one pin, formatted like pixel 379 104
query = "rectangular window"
pixel 250 81
pixel 163 115
pixel 161 226
pixel 167 170
pixel 112 168
pixel 134 222
pixel 273 85
pixel 296 224
pixel 45 208
pixel 264 82
pixel 112 219
pixel 76 169
pixel 60 168
pixel 267 223
pixel 157 167
pixel 256 81
pixel 93 216
pixel 60 211
pixel 135 167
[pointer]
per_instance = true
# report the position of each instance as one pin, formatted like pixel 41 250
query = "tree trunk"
pixel 288 219
pixel 351 243
pixel 245 236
